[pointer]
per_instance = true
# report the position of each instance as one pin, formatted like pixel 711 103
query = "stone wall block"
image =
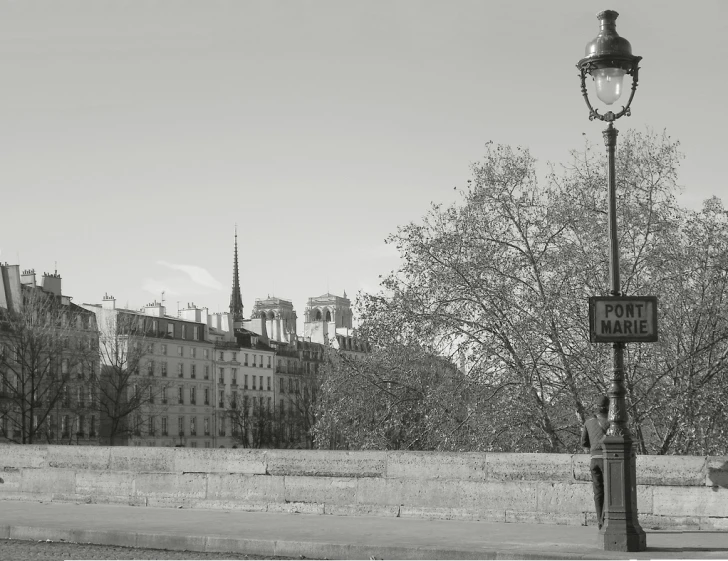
pixel 436 465
pixel 379 491
pixel 170 485
pixel 580 467
pixel 104 483
pixel 335 490
pixel 26 456
pixel 48 481
pixel 562 519
pixel 254 489
pixel 141 459
pixel 671 470
pixel 645 499
pixel 558 497
pixel 529 467
pixel 79 457
pixel 468 494
pixel 690 501
pixel 227 460
pixel 10 480
pixel 445 513
pixel 717 472
pixel 332 463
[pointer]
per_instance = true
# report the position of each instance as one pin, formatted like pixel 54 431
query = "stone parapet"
pixel 672 491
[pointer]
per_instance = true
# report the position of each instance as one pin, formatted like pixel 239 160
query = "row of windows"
pixel 163 349
pixel 258 381
pixel 181 369
pixel 256 360
pixel 65 426
pixel 185 426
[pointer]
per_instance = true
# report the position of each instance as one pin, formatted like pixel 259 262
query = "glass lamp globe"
pixel 608 82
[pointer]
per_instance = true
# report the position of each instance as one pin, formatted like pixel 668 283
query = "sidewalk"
pixel 331 537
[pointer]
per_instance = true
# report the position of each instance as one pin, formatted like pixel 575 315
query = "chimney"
pixel 52 283
pixel 108 303
pixel 28 277
pixel 154 309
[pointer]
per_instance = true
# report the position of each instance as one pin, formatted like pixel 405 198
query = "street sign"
pixel 625 319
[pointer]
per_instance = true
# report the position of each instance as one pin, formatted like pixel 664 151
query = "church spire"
pixel 236 300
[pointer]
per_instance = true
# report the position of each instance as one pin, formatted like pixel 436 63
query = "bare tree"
pixel 47 347
pixel 126 385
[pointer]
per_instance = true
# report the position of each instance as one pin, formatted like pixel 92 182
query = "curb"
pixel 282 548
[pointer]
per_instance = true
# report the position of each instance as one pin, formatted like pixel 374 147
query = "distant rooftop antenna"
pixel 163 298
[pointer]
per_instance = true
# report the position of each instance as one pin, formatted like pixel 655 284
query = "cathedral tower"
pixel 236 300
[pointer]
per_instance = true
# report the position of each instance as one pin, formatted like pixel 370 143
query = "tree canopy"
pixel 499 281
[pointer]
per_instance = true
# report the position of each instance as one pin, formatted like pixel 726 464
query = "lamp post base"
pixel 621 530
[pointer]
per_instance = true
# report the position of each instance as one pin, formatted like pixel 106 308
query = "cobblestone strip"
pixel 21 550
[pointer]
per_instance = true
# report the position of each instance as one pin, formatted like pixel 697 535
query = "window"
pixel 164 369
pixel 164 394
pixel 268 383
pixel 151 425
pixel 254 359
pixel 221 403
pixel 235 357
pixel 170 330
pixel 164 349
pixel 151 394
pixel 222 356
pixel 179 350
pixel 193 371
pixel 180 394
pixel 246 359
pixel 234 399
pixel 283 407
pixel 193 426
pixel 296 385
pixel 283 387
pixel 150 368
pixel 164 426
pixel 221 427
pixel 253 382
pixel 246 382
pixel 193 395
pixel 150 348
pixel 155 326
pixel 207 396
pixel 181 425
pixel 206 426
pixel 206 353
pixel 193 352
pixel 64 427
pixel 207 372
pixel 92 427
pixel 180 370
pixel 222 376
pixel 183 331
pixel 66 396
pixel 196 332
pixel 234 376
pixel 290 385
pixel 269 361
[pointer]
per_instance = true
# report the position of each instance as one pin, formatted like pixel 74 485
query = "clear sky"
pixel 136 134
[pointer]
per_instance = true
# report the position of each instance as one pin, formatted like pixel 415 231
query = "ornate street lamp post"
pixel 607 59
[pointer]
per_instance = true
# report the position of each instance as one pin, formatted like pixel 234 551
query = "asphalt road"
pixel 19 550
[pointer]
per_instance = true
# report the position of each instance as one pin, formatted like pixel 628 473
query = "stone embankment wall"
pixel 672 491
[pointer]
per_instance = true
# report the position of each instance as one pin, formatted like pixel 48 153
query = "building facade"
pixel 48 362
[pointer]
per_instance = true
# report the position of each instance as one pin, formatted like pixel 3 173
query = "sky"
pixel 136 135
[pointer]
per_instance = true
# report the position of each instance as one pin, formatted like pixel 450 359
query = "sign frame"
pixel 595 337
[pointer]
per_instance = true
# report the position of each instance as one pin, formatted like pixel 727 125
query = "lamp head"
pixel 608 58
